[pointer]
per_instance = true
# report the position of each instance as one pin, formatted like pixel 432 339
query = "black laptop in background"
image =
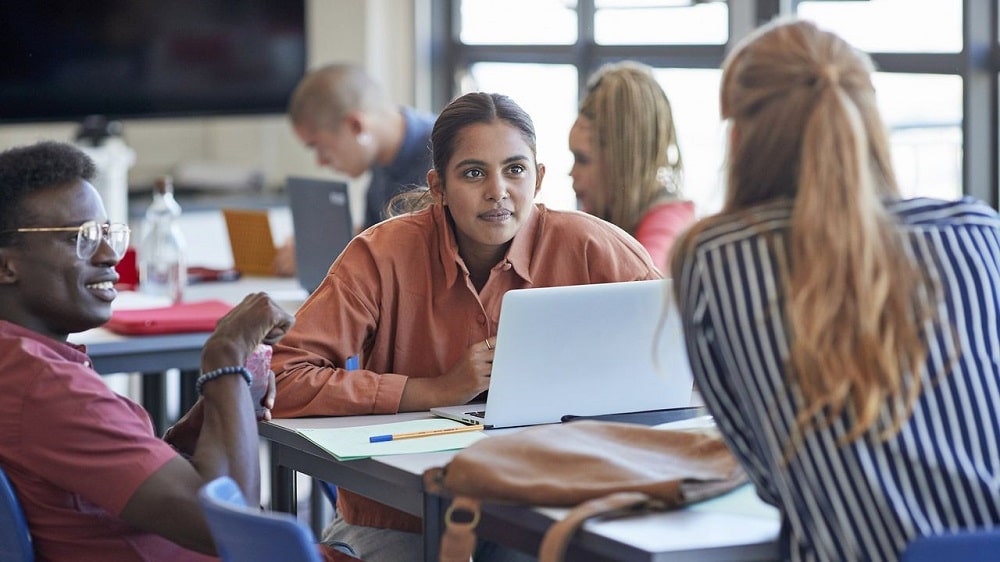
pixel 321 221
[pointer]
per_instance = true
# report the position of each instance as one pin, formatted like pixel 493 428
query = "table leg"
pixel 283 494
pixel 434 508
pixel 318 508
pixel 154 400
pixel 188 394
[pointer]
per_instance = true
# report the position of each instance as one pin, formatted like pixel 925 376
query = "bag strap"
pixel 557 538
pixel 459 537
pixel 461 518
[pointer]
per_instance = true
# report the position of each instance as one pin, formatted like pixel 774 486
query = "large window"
pixel 923 110
pixel 937 79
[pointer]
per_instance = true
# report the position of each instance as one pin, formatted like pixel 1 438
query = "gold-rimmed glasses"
pixel 89 236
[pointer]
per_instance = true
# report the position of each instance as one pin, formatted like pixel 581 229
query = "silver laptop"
pixel 321 220
pixel 581 351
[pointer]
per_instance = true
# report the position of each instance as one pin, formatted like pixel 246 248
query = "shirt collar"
pixel 523 246
pixel 518 255
pixel 72 351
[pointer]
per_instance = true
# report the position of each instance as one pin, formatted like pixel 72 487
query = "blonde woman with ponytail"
pixel 627 165
pixel 845 339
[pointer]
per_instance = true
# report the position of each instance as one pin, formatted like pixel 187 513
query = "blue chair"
pixel 245 534
pixel 965 546
pixel 329 490
pixel 15 540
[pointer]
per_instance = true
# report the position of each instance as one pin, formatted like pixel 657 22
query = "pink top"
pixel 660 226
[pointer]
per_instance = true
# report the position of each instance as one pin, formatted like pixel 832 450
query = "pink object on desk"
pixel 199 316
pixel 259 365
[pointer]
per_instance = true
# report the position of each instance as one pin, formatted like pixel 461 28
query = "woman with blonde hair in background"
pixel 845 339
pixel 626 161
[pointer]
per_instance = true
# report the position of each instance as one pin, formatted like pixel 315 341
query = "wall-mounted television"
pixel 62 60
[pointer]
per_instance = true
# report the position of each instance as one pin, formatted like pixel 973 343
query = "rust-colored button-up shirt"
pixel 399 296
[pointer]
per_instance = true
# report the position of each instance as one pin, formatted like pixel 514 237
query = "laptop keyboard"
pixel 477 414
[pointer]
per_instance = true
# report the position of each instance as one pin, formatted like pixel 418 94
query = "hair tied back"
pixel 830 74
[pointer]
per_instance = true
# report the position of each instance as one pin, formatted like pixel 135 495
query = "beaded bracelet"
pixel 212 375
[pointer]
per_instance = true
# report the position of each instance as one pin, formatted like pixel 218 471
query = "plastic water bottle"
pixel 162 269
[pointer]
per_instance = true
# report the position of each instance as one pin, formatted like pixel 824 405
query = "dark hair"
pixel 476 107
pixel 27 169
pixel 465 110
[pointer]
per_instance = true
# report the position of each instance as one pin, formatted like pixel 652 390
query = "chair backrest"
pixel 15 540
pixel 246 534
pixel 966 546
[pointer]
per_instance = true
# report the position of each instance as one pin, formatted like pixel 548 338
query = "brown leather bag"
pixel 598 468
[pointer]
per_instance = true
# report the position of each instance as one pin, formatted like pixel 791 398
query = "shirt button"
pixel 506 266
pixel 482 319
pixel 86 364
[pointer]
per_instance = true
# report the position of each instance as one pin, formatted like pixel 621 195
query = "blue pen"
pixel 427 433
pixel 352 363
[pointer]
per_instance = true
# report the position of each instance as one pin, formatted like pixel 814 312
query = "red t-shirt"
pixel 75 452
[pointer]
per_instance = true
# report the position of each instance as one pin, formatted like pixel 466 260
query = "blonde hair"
pixel 329 93
pixel 635 141
pixel 806 127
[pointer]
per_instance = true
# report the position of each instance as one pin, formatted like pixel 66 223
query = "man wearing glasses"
pixel 94 482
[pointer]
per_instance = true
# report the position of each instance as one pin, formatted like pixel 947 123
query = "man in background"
pixel 346 117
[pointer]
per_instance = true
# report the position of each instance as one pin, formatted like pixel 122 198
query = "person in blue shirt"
pixel 844 338
pixel 347 119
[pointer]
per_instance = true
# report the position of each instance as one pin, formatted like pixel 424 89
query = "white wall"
pixel 375 33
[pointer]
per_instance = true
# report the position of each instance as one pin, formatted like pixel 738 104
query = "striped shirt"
pixel 867 499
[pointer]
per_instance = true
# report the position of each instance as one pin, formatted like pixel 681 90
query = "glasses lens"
pixel 118 235
pixel 88 239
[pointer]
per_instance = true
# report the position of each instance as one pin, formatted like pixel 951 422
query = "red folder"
pixel 199 316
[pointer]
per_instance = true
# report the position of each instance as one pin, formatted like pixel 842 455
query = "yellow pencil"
pixel 428 433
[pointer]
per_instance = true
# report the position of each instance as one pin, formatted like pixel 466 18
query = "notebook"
pixel 321 220
pixel 199 316
pixel 583 350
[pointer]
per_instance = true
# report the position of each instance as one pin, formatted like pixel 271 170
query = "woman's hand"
pixel 466 379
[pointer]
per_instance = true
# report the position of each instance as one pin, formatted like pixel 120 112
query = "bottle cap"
pixel 163 185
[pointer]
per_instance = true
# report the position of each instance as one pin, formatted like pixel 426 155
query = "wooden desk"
pixel 153 355
pixel 743 529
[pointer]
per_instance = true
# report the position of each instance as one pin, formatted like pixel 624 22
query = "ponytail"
pixel 806 128
pixel 856 321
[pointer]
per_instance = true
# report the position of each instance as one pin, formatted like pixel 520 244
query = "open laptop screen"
pixel 321 220
pixel 584 350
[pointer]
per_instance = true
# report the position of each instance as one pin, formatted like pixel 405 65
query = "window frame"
pixel 978 65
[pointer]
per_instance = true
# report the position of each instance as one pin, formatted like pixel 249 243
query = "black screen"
pixel 66 59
